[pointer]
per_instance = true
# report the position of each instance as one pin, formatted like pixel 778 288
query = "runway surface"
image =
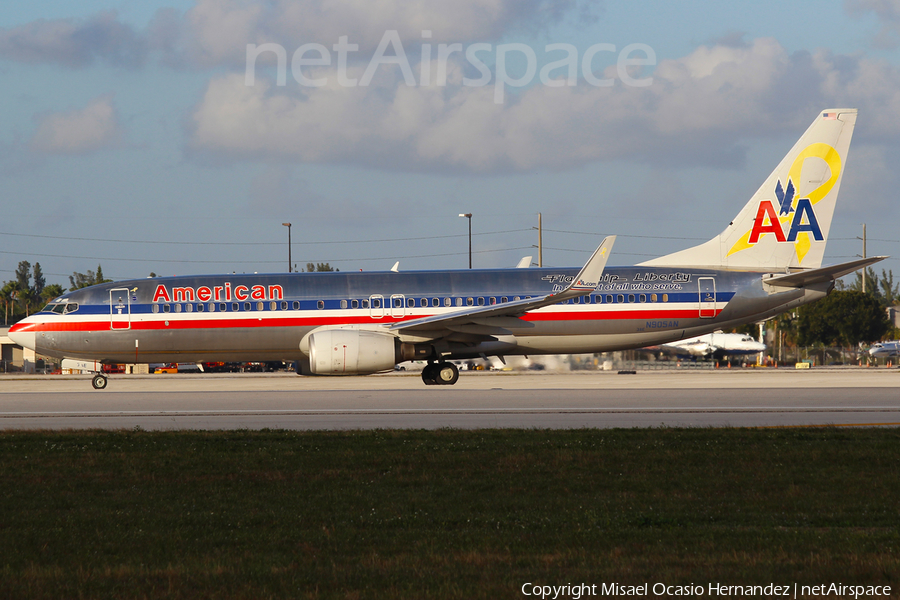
pixel 738 398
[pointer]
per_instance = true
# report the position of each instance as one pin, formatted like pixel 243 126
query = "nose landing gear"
pixel 99 382
pixel 440 374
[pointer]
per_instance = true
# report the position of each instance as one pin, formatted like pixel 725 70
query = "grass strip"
pixel 442 514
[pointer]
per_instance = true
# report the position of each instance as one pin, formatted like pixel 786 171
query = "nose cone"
pixel 23 334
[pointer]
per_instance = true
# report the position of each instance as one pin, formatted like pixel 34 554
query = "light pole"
pixel 288 225
pixel 863 238
pixel 469 217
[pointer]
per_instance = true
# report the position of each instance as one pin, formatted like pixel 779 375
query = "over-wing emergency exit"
pixel 766 261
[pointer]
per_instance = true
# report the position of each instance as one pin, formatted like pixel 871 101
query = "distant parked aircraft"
pixel 716 345
pixel 885 349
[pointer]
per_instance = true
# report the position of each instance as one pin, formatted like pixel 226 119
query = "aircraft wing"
pixel 584 283
pixel 823 274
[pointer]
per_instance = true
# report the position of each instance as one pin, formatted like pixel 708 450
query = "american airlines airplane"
pixel 766 261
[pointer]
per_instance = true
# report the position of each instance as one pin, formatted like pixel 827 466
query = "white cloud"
pixel 214 33
pixel 74 43
pixel 219 30
pixel 78 131
pixel 699 110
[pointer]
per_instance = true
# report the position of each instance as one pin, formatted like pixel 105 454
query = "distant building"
pixel 893 313
pixel 12 356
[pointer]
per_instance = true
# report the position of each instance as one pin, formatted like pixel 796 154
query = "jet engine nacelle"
pixel 352 352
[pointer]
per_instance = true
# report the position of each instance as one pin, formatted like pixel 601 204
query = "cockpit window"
pixel 71 307
pixel 55 308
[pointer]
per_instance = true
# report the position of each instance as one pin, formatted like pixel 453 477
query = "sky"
pixel 134 135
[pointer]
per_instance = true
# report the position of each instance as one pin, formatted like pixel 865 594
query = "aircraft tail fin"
pixel 786 222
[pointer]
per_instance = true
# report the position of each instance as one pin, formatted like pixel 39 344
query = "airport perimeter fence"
pixel 661 365
pixel 787 357
pixel 832 356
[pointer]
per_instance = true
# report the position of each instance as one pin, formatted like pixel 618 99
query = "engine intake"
pixel 351 351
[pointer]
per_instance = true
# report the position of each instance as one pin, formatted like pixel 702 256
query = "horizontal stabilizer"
pixel 820 275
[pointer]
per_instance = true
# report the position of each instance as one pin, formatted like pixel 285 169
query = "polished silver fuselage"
pixel 267 317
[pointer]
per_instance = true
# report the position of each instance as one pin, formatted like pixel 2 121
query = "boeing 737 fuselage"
pixel 768 260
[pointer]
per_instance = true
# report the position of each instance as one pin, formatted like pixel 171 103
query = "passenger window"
pixel 504 299
pixel 652 297
pixel 343 304
pixel 296 305
pixel 493 301
pixel 235 306
pixel 200 307
pixel 246 306
pixel 609 298
pixel 481 302
pixel 320 304
pixel 665 297
pixel 516 298
pixel 260 306
pixel 273 305
pixel 189 308
pixel 365 303
pixel 448 302
pixel 643 297
pixel 166 308
pixel 212 307
pixel 470 301
pixel 354 304
pixel 223 307
pixel 459 301
pixel 177 308
pixel 620 298
pixel 155 308
pixel 435 302
pixel 411 302
pixel 631 297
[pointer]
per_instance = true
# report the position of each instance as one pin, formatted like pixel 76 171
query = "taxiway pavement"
pixel 736 397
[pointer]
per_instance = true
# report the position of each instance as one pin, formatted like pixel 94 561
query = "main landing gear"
pixel 443 373
pixel 99 381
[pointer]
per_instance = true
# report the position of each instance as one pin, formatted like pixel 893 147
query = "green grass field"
pixel 442 514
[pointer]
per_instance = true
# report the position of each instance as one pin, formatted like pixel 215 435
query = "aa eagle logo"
pixel 768 222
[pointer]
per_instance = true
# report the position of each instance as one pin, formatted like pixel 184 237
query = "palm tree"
pixel 9 295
